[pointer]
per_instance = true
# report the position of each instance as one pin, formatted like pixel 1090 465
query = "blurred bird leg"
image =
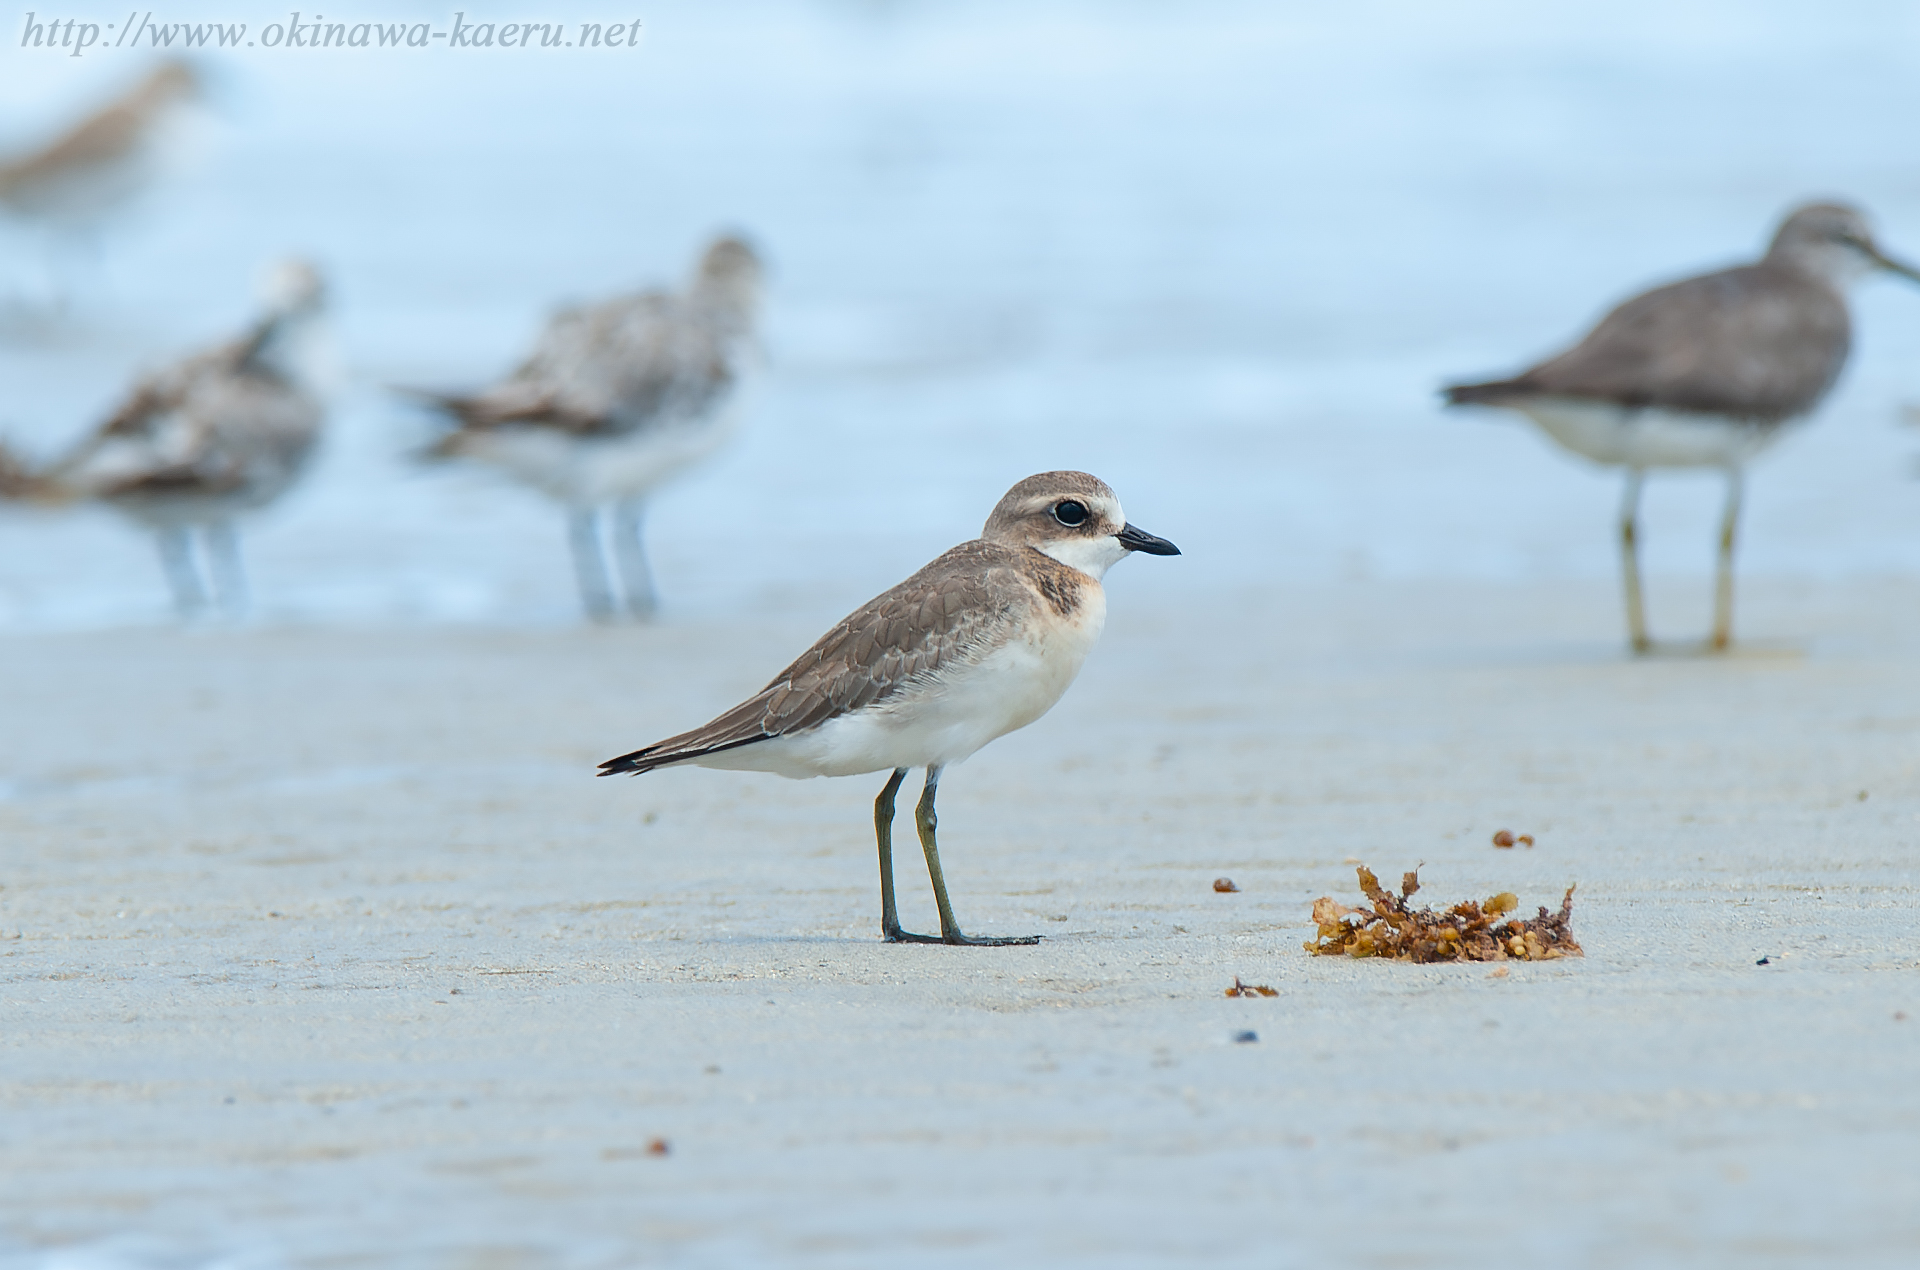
pixel 590 563
pixel 630 549
pixel 183 575
pixel 1630 561
pixel 1723 579
pixel 225 567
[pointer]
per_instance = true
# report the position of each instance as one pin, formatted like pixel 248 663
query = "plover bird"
pixel 980 642
pixel 1703 373
pixel 73 183
pixel 617 398
pixel 220 433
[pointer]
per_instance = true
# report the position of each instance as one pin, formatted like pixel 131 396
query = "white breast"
pixel 1613 434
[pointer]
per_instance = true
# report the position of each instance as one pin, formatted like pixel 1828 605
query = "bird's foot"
pixel 898 936
pixel 988 941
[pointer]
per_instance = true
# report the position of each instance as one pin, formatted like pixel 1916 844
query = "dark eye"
pixel 1070 513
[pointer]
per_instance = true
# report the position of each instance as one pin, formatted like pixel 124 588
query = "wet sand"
pixel 325 947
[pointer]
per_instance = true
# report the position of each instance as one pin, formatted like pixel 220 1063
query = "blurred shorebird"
pixel 982 641
pixel 617 398
pixel 1703 373
pixel 220 433
pixel 73 183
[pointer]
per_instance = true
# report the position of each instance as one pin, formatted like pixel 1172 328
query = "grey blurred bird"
pixel 1703 373
pixel 193 446
pixel 617 398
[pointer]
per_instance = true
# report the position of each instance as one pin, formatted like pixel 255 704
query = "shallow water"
pixel 1222 260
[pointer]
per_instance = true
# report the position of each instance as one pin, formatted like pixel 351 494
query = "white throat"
pixel 1091 556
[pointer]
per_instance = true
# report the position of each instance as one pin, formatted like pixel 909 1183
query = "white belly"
pixel 947 719
pixel 590 471
pixel 1627 437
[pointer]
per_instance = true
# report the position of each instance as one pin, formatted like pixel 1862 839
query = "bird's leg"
pixel 925 819
pixel 183 576
pixel 631 551
pixel 225 568
pixel 1630 562
pixel 589 562
pixel 1723 577
pixel 883 833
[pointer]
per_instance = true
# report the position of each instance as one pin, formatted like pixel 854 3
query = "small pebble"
pixel 658 1146
pixel 1224 884
pixel 1763 961
pixel 1503 839
pixel 1245 1038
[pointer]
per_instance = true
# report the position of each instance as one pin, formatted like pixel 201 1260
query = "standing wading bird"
pixel 193 446
pixel 1703 373
pixel 980 642
pixel 75 182
pixel 617 398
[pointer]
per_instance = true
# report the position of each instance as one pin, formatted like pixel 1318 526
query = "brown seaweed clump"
pixel 1465 932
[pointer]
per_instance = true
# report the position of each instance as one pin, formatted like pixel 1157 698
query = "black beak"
pixel 1891 265
pixel 1140 540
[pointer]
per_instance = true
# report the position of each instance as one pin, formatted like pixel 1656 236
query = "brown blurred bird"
pixel 102 161
pixel 220 433
pixel 73 183
pixel 617 398
pixel 1706 372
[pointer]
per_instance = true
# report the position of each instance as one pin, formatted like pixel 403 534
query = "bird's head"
pixel 292 286
pixel 1833 241
pixel 729 274
pixel 1073 517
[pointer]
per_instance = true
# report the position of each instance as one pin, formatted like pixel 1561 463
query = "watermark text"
pixel 76 37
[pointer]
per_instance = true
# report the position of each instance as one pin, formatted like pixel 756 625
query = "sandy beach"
pixel 323 947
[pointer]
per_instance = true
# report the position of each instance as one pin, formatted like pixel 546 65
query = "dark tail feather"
pixel 18 481
pixel 665 753
pixel 446 403
pixel 456 408
pixel 1498 392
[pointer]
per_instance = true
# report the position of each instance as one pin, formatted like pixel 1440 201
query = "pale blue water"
pixel 1221 257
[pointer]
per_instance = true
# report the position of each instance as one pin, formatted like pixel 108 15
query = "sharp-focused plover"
pixel 617 398
pixel 219 433
pixel 1704 373
pixel 77 180
pixel 980 642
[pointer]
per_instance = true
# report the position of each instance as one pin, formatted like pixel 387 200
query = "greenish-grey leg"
pixel 1630 562
pixel 1723 577
pixel 883 834
pixel 950 933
